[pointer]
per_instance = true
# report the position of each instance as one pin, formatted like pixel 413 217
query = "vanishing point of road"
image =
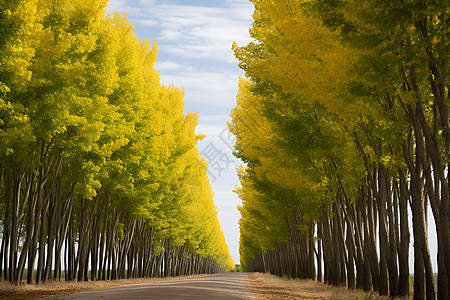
pixel 216 287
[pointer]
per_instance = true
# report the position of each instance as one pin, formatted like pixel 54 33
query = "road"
pixel 216 287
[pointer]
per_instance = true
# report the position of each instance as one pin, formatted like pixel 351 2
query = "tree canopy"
pixel 342 121
pixel 99 167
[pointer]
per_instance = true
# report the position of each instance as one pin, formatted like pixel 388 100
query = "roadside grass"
pixel 266 286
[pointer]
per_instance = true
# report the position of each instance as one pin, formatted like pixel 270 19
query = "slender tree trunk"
pixel 405 236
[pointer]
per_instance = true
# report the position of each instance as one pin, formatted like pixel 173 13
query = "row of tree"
pixel 343 124
pixel 100 176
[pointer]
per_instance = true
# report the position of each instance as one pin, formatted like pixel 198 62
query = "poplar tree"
pixel 355 94
pixel 100 175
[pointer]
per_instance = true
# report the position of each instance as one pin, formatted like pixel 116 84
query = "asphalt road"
pixel 216 287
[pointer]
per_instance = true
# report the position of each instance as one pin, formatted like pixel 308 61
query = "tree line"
pixel 100 175
pixel 343 124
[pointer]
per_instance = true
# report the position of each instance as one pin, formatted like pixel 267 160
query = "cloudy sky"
pixel 194 51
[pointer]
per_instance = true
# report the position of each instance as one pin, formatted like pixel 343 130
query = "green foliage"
pixel 80 100
pixel 326 99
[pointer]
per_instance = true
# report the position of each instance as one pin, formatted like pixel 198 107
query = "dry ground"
pixel 265 286
pixel 24 291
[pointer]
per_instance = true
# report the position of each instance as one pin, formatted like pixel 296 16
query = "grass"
pixel 266 286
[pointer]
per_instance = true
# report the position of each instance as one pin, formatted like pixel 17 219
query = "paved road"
pixel 216 287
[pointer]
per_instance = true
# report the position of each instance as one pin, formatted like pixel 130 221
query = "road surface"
pixel 216 287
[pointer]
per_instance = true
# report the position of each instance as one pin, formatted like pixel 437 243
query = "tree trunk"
pixel 405 236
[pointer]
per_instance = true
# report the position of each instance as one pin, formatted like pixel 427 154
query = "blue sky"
pixel 194 51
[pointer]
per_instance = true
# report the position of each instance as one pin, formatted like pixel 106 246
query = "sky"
pixel 194 40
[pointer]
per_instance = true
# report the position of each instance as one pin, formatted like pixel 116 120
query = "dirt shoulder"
pixel 25 291
pixel 265 286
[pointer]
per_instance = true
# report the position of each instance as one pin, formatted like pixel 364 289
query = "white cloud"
pixel 167 66
pixel 213 88
pixel 149 23
pixel 215 118
pixel 197 31
pixel 122 6
pixel 211 131
pixel 186 33
pixel 219 82
pixel 147 3
pixel 171 66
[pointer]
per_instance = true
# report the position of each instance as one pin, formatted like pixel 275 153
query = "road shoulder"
pixel 265 286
